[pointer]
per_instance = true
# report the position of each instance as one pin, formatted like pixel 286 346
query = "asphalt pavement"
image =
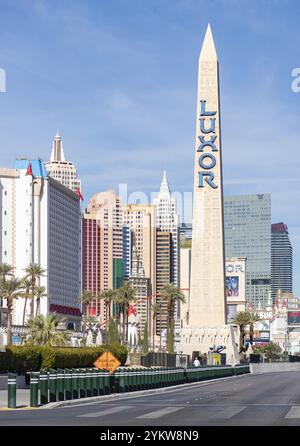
pixel 271 399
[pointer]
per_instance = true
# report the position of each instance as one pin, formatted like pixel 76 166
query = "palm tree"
pixel 40 292
pixel 43 330
pixel 34 271
pixel 27 286
pixel 108 297
pixel 253 317
pixel 125 295
pixel 155 309
pixel 171 294
pixel 6 270
pixel 86 299
pixel 242 318
pixel 10 290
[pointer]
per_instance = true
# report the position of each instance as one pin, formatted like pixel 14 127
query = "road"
pixel 270 399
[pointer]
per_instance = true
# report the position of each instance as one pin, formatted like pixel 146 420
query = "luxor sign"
pixel 207 161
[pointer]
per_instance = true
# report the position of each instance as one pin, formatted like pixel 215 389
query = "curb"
pixel 136 394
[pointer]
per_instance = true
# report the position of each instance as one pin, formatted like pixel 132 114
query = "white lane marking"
pixel 105 412
pixel 160 413
pixel 294 412
pixel 229 412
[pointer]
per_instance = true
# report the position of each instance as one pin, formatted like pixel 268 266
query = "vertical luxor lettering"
pixel 206 143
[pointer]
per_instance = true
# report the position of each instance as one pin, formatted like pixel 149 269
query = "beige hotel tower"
pixel 206 325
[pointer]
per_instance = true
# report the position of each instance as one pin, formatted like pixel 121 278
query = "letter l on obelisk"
pixel 207 290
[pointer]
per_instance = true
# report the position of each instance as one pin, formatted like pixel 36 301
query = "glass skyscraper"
pixel 247 220
pixel 282 260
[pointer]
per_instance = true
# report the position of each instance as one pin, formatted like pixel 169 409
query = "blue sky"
pixel 118 79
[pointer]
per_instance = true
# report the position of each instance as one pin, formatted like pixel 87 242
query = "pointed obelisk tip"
pixel 208 50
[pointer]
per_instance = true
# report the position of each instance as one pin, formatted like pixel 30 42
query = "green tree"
pixel 43 330
pixel 253 317
pixel 145 340
pixel 86 299
pixel 170 338
pixel 34 271
pixel 242 319
pixel 6 270
pixel 271 351
pixel 10 290
pixel 125 295
pixel 171 294
pixel 27 294
pixel 108 297
pixel 113 335
pixel 40 292
pixel 155 311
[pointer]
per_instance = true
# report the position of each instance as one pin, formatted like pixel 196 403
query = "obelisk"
pixel 207 292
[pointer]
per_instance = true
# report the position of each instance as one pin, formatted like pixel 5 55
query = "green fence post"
pixel 108 381
pixel 148 378
pixel 75 377
pixel 68 384
pixel 44 380
pixel 60 384
pixel 143 378
pixel 101 382
pixel 12 390
pixel 95 388
pixel 52 385
pixel 122 379
pixel 126 379
pixel 34 389
pixel 82 385
pixel 89 382
pixel 130 380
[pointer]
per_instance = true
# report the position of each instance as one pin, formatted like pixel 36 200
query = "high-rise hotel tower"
pixel 61 170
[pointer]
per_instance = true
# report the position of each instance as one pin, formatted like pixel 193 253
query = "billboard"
pixel 294 318
pixel 232 286
pixel 231 312
pixel 261 331
pixel 236 282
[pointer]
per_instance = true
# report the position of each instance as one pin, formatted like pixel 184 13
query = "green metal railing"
pixel 67 384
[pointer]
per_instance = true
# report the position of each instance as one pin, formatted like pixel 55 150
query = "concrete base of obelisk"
pixel 200 339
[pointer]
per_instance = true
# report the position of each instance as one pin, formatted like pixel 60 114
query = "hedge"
pixel 26 358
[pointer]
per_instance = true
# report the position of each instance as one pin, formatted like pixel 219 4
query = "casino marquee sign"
pixel 207 161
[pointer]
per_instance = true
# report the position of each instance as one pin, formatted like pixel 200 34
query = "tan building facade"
pixel 102 247
pixel 141 219
pixel 163 275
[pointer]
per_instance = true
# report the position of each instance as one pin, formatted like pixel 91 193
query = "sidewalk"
pixel 23 398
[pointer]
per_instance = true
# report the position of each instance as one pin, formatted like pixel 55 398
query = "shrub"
pixel 25 358
pixel 119 351
pixel 20 358
pixel 271 351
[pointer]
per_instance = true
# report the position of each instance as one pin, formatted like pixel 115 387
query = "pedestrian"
pixel 196 362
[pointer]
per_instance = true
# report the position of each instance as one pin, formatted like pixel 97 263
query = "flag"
pixel 29 170
pixel 79 193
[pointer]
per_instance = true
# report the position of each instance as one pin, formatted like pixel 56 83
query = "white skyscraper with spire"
pixel 61 170
pixel 167 219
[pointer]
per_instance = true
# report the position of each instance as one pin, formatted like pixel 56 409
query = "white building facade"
pixel 41 223
pixel 61 170
pixel 167 219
